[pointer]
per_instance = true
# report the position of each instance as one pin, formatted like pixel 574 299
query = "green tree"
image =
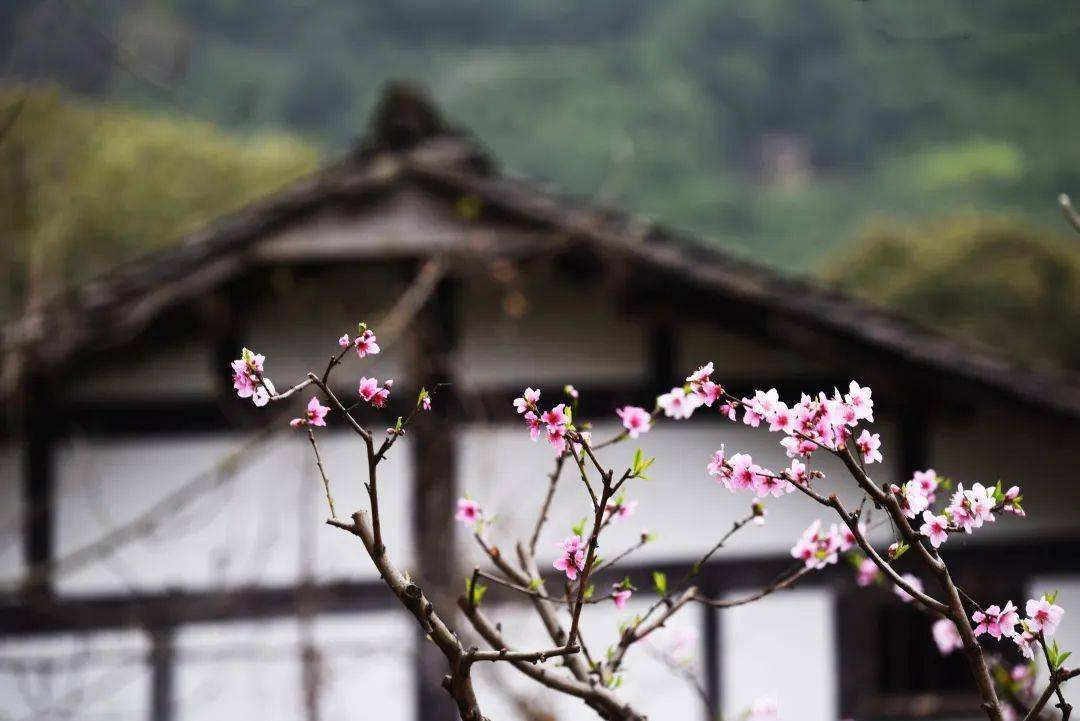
pixel 84 186
pixel 994 282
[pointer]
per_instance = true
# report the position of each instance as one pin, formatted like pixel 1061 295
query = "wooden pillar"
pixel 162 674
pixel 914 435
pixel 712 648
pixel 662 358
pixel 38 490
pixel 433 442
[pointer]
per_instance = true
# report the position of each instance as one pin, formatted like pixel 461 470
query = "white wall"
pixel 784 647
pixel 1068 633
pixel 253 670
pixel 98 676
pixel 568 334
pixel 263 527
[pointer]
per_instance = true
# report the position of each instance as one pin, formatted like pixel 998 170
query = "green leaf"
pixel 579 528
pixel 660 582
pixel 901 550
pixel 535 584
pixel 589 591
pixel 476 595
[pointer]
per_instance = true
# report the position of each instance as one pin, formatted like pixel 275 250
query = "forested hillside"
pixel 771 125
pixel 775 127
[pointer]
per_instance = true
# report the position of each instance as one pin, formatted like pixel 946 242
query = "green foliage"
pixel 83 186
pixel 660 582
pixel 993 282
pixel 909 108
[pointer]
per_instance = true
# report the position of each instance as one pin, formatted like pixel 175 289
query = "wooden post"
pixel 433 440
pixel 38 490
pixel 162 674
pixel 712 646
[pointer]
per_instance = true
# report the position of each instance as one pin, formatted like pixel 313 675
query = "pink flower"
pixel 936 528
pixel 728 410
pixel 1024 641
pixel 970 509
pixel 1011 504
pixel 315 415
pixel 703 388
pixel 1043 616
pixel 996 621
pixel 370 391
pixel 816 548
pixel 847 538
pixel 366 344
pixel 868 445
pixel 569 390
pixel 797 472
pixel 620 509
pixel 620 595
pixel 468 512
pixel 912 500
pixel 767 483
pixel 717 465
pixel 528 400
pixel 636 420
pixel 572 559
pixel 701 375
pixel 344 341
pixel 859 400
pixel 914 581
pixel 533 421
pixel 425 402
pixel 928 481
pixel 946 636
pixel 556 416
pixel 556 436
pixel 759 407
pixel 248 380
pixel 742 472
pixel 677 404
pixel 867 573
pixel 781 418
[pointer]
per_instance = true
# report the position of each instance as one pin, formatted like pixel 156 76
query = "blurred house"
pixel 162 542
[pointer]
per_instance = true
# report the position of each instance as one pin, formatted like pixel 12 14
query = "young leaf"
pixel 660 582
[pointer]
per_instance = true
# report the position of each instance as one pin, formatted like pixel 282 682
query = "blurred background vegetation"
pixel 910 152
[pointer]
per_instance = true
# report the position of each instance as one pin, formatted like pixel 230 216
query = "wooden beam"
pixel 38 486
pixel 432 440
pixel 169 609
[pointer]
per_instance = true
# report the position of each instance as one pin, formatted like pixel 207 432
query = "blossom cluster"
pixel 248 379
pixel 571 558
pixel 818 547
pixel 555 422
